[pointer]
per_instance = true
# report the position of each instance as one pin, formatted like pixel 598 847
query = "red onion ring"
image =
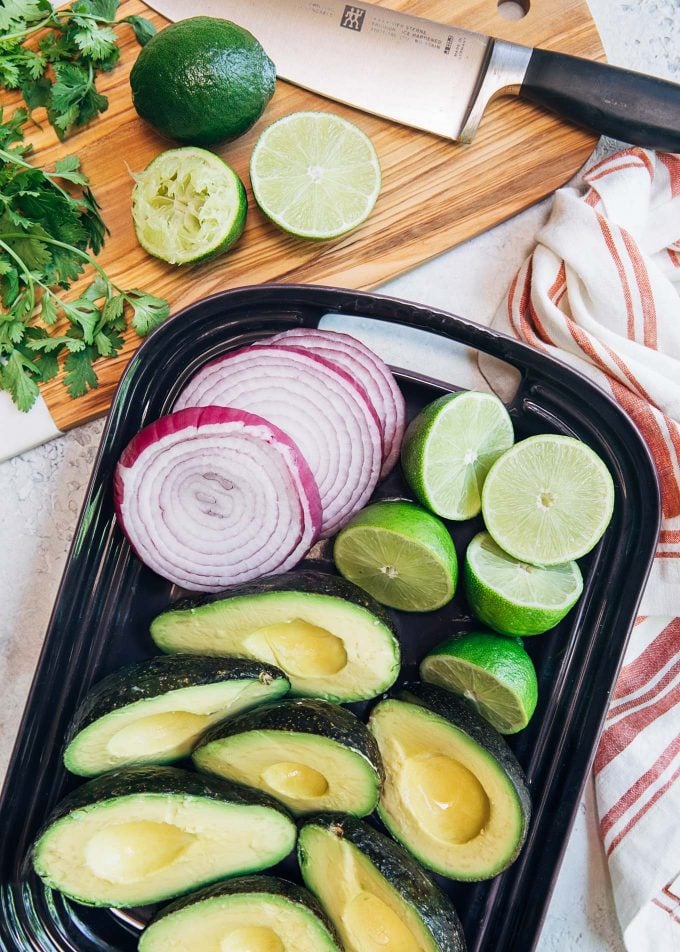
pixel 366 368
pixel 314 401
pixel 212 496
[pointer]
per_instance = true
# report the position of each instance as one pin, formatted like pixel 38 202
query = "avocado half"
pixel 454 793
pixel 309 754
pixel 154 712
pixel 331 639
pixel 145 834
pixel 252 912
pixel 375 894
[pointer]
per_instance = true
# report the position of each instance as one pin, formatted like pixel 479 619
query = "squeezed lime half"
pixel 188 205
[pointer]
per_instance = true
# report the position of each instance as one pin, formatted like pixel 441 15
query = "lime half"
pixel 516 598
pixel 449 448
pixel 548 500
pixel 315 174
pixel 399 554
pixel 494 673
pixel 188 205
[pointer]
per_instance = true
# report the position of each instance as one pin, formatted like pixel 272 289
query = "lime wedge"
pixel 315 175
pixel 449 448
pixel 548 500
pixel 516 598
pixel 188 205
pixel 399 554
pixel 495 674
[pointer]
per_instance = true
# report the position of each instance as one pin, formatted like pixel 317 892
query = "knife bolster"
pixel 502 75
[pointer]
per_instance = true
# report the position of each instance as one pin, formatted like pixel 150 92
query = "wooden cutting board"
pixel 435 194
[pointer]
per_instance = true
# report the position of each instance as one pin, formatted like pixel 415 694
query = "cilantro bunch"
pixel 47 232
pixel 60 73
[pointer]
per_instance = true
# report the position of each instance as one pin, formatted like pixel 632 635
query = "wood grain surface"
pixel 435 193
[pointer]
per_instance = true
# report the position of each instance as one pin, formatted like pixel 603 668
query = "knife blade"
pixel 437 77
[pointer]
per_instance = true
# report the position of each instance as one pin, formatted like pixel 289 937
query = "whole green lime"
pixel 201 81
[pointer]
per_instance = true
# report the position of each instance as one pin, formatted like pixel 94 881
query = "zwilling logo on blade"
pixel 353 18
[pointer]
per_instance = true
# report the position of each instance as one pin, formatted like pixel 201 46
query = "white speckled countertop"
pixel 41 492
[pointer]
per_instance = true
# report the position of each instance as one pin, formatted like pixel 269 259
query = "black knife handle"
pixel 620 103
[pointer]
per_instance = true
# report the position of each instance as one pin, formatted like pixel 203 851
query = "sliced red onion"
pixel 367 369
pixel 213 496
pixel 317 404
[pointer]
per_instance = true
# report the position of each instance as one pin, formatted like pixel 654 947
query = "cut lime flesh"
pixel 315 175
pixel 548 500
pixel 449 448
pixel 493 673
pixel 188 205
pixel 399 554
pixel 516 598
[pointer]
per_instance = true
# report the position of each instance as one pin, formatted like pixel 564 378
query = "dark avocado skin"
pixel 254 885
pixel 402 872
pixel 304 716
pixel 131 781
pixel 306 582
pixel 455 710
pixel 158 676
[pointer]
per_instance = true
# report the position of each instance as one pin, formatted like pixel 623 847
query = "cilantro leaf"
pixel 80 42
pixel 16 15
pixel 147 311
pixel 80 374
pixel 47 235
pixel 36 92
pixel 104 9
pixel 48 309
pixel 96 43
pixel 144 29
pixel 18 381
pixel 68 169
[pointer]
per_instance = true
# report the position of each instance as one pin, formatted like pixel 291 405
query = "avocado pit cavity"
pixel 295 780
pixel 304 650
pixel 157 733
pixel 128 852
pixel 375 927
pixel 446 797
pixel 251 939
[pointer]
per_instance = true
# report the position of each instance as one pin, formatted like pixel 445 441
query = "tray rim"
pixel 447 325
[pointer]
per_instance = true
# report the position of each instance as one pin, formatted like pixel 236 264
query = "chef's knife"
pixel 437 77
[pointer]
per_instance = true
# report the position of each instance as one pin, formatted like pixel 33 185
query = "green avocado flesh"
pixel 370 912
pixel 164 728
pixel 146 847
pixel 305 772
pixel 256 914
pixel 310 754
pixel 327 646
pixel 446 797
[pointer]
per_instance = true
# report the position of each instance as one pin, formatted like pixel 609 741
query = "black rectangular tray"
pixel 107 599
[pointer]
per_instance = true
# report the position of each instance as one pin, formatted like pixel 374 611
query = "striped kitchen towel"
pixel 601 291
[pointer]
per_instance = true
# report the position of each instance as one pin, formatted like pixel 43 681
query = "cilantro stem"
pixel 11 157
pixel 53 20
pixel 21 34
pixel 59 244
pixel 28 277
